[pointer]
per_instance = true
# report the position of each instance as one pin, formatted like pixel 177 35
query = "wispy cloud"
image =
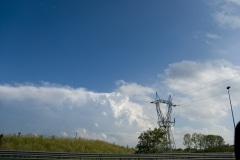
pixel 223 37
pixel 213 36
pixel 227 20
pixel 235 2
pixel 228 14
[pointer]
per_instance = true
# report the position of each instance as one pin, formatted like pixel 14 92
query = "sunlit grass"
pixel 56 144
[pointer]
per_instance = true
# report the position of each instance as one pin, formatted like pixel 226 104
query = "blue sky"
pixel 94 43
pixel 92 67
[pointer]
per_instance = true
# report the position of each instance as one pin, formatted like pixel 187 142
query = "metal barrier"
pixel 63 155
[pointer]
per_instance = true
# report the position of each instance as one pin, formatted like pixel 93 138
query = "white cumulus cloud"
pixel 50 109
pixel 121 115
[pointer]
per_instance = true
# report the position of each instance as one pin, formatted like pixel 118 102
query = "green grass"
pixel 56 144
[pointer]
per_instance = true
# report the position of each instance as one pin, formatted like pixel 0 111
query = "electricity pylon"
pixel 164 122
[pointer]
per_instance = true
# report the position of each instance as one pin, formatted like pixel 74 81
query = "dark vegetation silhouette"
pixel 198 142
pixel 151 141
pixel 154 141
pixel 237 142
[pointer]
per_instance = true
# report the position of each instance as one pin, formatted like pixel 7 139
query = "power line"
pixel 211 84
pixel 207 85
pixel 208 97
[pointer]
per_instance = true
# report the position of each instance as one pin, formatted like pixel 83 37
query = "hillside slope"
pixel 56 144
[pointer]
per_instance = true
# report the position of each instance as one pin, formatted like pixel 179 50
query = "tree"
pixel 151 141
pixel 208 143
pixel 187 141
pixel 219 141
pixel 214 141
pixel 195 140
pixel 201 141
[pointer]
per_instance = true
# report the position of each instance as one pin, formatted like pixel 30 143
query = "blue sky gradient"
pixel 94 43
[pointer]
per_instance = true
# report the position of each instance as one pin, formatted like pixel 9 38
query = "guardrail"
pixel 63 155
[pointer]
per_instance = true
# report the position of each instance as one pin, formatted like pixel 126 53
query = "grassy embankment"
pixel 56 144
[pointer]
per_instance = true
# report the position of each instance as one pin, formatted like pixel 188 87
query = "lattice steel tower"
pixel 165 122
